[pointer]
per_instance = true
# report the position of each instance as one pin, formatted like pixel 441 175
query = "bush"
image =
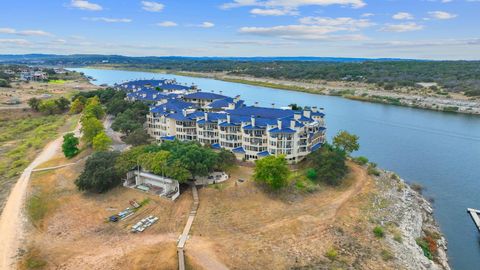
pixel 372 170
pixel 379 232
pixel 311 174
pixel 331 254
pixel 386 255
pixel 137 137
pixel 360 160
pixel 417 187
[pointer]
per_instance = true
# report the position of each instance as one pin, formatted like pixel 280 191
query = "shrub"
pixel 311 174
pixel 417 187
pixel 379 232
pixel 360 160
pixel 386 255
pixel 329 163
pixel 372 170
pixel 331 253
pixel 425 248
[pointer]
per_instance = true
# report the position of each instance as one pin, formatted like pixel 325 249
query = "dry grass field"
pixel 238 226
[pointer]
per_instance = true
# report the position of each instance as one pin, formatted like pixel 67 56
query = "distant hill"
pixel 97 58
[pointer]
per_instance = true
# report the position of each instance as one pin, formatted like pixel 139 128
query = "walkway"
pixel 12 218
pixel 186 230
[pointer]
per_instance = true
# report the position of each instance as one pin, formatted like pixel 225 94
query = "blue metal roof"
pixel 316 146
pixel 173 105
pixel 238 150
pixel 263 154
pixel 204 95
pixel 168 138
pixel 283 130
pixel 216 146
pixel 261 112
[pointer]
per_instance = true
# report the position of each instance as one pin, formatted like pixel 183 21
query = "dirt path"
pixel 202 250
pixel 12 218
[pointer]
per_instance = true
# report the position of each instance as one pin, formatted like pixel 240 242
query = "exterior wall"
pixel 294 145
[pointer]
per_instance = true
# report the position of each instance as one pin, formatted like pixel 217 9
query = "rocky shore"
pixel 416 239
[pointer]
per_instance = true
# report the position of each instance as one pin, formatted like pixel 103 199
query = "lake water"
pixel 441 151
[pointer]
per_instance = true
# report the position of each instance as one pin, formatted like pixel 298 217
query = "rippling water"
pixel 441 151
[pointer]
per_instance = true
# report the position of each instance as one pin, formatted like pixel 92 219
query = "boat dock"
pixel 474 214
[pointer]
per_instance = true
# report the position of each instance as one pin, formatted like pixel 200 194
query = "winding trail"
pixel 13 218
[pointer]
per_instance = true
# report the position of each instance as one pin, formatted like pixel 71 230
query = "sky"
pixel 416 29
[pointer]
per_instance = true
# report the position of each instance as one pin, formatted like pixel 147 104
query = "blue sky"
pixel 427 29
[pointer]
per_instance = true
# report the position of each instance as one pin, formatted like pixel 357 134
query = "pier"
pixel 474 214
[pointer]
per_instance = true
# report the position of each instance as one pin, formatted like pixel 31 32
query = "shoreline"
pixel 409 218
pixel 357 93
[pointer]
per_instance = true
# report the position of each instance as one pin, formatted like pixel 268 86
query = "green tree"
pixel 176 170
pixel 126 122
pixel 91 126
pixel 138 137
pixel 156 162
pixel 272 171
pixel 329 163
pixel 226 160
pixel 94 108
pixel 129 159
pixel 77 106
pixel 62 104
pixel 101 142
pixel 48 107
pixel 346 141
pixel 99 174
pixel 70 145
pixel 34 103
pixel 117 105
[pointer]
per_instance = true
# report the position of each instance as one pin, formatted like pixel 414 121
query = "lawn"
pixel 57 81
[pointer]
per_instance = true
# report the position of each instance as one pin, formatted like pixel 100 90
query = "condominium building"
pixel 218 121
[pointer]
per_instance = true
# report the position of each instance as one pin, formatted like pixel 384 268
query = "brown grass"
pixel 75 232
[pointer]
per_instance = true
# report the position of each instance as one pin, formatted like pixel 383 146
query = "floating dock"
pixel 474 213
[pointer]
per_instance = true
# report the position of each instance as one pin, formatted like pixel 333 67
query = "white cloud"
pixel 403 16
pixel 441 15
pixel 314 28
pixel 107 20
pixel 33 33
pixel 366 15
pixel 344 23
pixel 152 6
pixel 273 12
pixel 206 25
pixel 25 32
pixel 293 3
pixel 85 5
pixel 167 24
pixel 402 27
pixel 14 41
pixel 305 32
pixel 7 31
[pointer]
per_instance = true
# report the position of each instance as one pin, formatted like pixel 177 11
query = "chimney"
pixel 184 112
pixel 292 124
pixel 256 104
pixel 236 99
pixel 221 92
pixel 297 116
pixel 206 116
pixel 314 109
pixel 228 118
pixel 279 123
pixel 273 105
pixel 252 119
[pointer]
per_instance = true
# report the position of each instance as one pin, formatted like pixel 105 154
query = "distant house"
pixel 151 183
